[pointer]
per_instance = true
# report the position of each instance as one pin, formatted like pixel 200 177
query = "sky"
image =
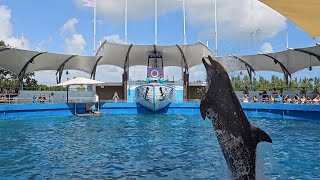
pixel 66 27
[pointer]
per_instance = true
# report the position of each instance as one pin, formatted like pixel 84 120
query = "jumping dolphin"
pixel 237 137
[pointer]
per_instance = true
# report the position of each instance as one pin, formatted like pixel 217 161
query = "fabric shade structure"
pixel 23 61
pixel 78 81
pixel 293 60
pixel 303 13
pixel 133 55
pixel 287 62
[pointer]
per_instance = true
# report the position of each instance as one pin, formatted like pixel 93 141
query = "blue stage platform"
pixel 279 111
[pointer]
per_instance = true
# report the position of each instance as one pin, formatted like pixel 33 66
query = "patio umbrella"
pixel 78 81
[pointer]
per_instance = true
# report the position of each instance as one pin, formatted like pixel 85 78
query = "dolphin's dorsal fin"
pixel 259 134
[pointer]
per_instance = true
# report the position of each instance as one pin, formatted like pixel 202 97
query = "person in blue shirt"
pixel 35 100
pixel 93 109
pixel 160 80
pixel 148 79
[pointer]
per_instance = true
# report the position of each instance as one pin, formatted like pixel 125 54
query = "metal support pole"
pixel 126 22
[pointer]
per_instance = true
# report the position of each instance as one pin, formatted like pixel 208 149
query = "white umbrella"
pixel 78 81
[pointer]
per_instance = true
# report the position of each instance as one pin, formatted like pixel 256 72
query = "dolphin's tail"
pixel 259 134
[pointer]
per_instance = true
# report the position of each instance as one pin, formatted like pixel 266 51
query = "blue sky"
pixel 66 26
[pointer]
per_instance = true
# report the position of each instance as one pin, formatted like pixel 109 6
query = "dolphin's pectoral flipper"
pixel 259 134
pixel 204 106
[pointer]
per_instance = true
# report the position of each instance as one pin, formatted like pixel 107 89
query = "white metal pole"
pixel 156 22
pixel 287 41
pixel 94 25
pixel 126 22
pixel 184 23
pixel 216 25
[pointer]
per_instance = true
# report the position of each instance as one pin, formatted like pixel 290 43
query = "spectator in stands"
pixel 287 99
pixel 274 93
pixel 42 98
pixel 296 99
pixel 303 91
pixel 317 100
pixel 255 99
pixel 2 90
pixel 265 96
pixel 303 99
pixel 309 100
pixel 271 98
pixel 315 92
pixel 245 98
pixel 94 110
pixel 115 97
pixel 246 90
pixel 281 93
pixel 278 98
pixel 35 99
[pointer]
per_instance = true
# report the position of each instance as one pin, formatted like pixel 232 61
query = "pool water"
pixel 147 147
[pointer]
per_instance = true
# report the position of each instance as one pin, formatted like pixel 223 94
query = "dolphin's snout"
pixel 206 64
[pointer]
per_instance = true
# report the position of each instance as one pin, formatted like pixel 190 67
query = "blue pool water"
pixel 147 147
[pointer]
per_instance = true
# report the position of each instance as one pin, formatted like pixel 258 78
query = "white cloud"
pixel 6 30
pixel 267 48
pixel 69 26
pixel 74 43
pixel 114 38
pixel 241 19
pixel 113 11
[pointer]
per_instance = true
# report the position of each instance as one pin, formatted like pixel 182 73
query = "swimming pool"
pixel 147 146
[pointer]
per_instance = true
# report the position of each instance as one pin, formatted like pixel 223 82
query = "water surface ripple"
pixel 147 147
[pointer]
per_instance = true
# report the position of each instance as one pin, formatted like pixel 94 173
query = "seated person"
pixel 278 98
pixel 271 99
pixel 148 79
pixel 245 91
pixel 303 99
pixel 245 98
pixel 317 100
pixel 265 96
pixel 315 92
pixel 35 99
pixel 42 98
pixel 3 98
pixel 287 99
pixel 303 91
pixel 309 100
pixel 93 109
pixel 274 93
pixel 160 80
pixel 296 99
pixel 254 99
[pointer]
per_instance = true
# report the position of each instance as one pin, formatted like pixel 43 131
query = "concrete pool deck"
pixel 253 110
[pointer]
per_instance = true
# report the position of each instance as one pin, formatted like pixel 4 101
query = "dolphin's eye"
pixel 207 112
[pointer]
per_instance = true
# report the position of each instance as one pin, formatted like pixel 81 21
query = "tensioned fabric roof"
pixel 117 54
pixel 292 60
pixel 17 60
pixel 303 13
pixel 23 61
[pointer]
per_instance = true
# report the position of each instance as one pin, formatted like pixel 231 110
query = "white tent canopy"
pixel 79 81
